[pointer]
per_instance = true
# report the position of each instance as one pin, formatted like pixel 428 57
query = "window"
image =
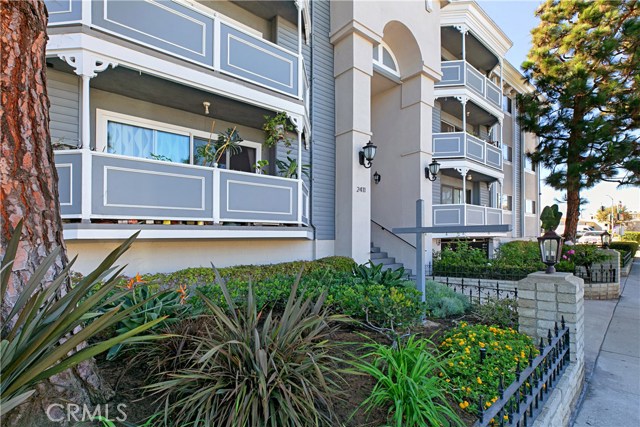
pixel 448 127
pixel 507 202
pixel 507 104
pixel 137 141
pixel 383 58
pixel 529 165
pixel 530 207
pixel 450 195
pixel 135 137
pixel 507 153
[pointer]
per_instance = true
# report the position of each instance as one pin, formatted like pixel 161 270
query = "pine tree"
pixel 29 190
pixel 584 63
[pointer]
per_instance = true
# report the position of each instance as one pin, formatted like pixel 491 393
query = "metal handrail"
pixel 392 233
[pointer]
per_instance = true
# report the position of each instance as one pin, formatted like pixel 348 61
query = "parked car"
pixel 591 238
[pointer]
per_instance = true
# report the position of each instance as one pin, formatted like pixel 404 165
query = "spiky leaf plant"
pixel 408 384
pixel 256 370
pixel 38 338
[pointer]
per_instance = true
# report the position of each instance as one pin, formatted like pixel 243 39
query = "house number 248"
pixel 361 189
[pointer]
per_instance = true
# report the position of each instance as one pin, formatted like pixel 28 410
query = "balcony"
pixel 101 186
pixel 189 33
pixel 465 214
pixel 461 73
pixel 462 145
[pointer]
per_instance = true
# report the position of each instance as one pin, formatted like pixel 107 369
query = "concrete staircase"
pixel 377 256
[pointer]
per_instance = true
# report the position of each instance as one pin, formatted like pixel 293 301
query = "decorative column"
pixel 353 69
pixel 87 66
pixel 463 100
pixel 463 31
pixel 463 172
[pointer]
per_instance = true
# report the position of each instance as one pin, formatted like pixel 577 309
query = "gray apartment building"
pixel 138 88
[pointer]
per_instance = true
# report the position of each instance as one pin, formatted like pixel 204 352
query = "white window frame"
pixel 104 116
pixel 533 205
pixel 378 62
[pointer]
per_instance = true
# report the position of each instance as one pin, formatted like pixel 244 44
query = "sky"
pixel 517 18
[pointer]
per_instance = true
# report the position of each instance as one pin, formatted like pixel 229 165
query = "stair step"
pixel 392 266
pixel 384 261
pixel 374 249
pixel 378 255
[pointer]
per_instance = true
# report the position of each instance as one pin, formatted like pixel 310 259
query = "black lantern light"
pixel 550 249
pixel 377 177
pixel 605 239
pixel 367 154
pixel 431 172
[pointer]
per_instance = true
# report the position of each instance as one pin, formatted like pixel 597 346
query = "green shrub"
pixel 252 368
pixel 627 246
pixel 383 306
pixel 518 253
pixel 408 384
pixel 580 256
pixel 371 273
pixel 198 276
pixel 441 301
pixel 146 304
pixel 505 348
pixel 501 312
pixel 463 256
pixel 632 236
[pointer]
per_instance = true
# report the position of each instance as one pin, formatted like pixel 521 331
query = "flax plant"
pixel 256 370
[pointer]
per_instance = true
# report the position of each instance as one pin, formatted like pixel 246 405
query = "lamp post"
pixel 611 213
pixel 550 250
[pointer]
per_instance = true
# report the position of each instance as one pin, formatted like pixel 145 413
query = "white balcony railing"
pixel 461 73
pixel 451 145
pixel 96 185
pixel 182 30
pixel 465 214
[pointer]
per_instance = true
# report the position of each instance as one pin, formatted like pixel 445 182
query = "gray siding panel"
pixel 436 185
pixel 322 123
pixel 517 167
pixel 64 95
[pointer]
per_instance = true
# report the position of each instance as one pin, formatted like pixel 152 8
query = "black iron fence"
pixel 479 291
pixel 479 272
pixel 597 275
pixel 519 404
pixel 626 259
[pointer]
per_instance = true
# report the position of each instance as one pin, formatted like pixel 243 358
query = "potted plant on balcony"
pixel 276 129
pixel 227 142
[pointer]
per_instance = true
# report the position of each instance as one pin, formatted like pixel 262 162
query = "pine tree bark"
pixel 29 188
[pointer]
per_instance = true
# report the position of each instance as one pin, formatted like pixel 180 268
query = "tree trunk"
pixel 29 186
pixel 573 214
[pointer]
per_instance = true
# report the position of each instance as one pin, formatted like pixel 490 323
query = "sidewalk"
pixel 612 359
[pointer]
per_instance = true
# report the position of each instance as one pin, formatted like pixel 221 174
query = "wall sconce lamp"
pixel 377 177
pixel 431 171
pixel 367 154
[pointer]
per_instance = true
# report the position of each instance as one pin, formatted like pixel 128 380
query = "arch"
pixel 384 58
pixel 404 48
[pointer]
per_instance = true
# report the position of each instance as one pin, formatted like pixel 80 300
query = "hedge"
pixel 631 236
pixel 627 246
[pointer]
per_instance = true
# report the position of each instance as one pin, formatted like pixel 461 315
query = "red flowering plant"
pixel 580 256
pixel 150 303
